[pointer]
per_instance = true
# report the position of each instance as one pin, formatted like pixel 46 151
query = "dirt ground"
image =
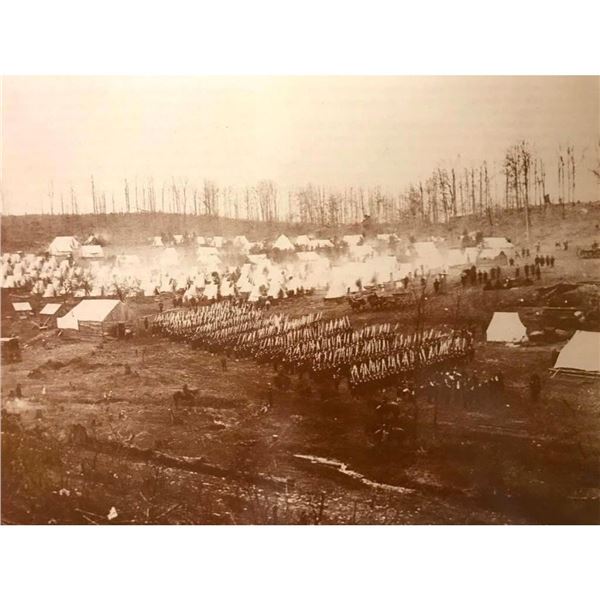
pixel 71 452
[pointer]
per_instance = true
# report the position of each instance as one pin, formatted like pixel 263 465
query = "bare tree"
pixel 596 168
pixel 512 169
pixel 266 192
pixel 561 180
pixel 184 185
pixel 74 207
pixel 50 198
pixel 94 203
pixel 210 198
pixel 127 203
pixel 571 173
pixel 525 156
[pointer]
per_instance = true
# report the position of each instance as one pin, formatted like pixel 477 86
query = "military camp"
pixel 392 334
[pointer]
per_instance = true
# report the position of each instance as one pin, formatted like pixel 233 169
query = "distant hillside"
pixel 37 231
pixel 580 225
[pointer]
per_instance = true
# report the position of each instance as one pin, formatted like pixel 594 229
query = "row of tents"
pixel 427 251
pixel 65 245
pixel 581 354
pixel 95 315
pixel 68 245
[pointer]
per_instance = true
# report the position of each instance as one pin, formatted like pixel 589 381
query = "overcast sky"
pixel 337 132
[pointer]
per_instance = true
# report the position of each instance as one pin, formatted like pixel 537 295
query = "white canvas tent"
pixel 506 327
pixel 157 241
pixel 94 310
pixel 283 243
pixel 50 309
pixel 255 294
pixel 303 240
pixel 191 292
pixel 244 286
pixel 257 259
pixel 352 240
pixel 497 243
pixel 211 291
pixel 49 292
pixel 402 270
pixel 91 251
pixel 93 315
pixel 149 288
pixel 8 281
pixel 274 290
pixel 581 353
pixel 456 257
pixel 226 290
pixel 492 247
pixel 91 240
pixel 428 255
pixel 240 240
pixel 69 321
pixel 22 306
pixel 472 254
pixel 63 245
pixel 490 253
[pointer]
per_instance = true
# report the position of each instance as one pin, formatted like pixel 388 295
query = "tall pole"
pixel 94 196
pixel 527 218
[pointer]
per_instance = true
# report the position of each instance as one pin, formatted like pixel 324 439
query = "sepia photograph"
pixel 307 300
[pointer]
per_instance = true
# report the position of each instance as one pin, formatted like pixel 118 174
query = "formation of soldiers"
pixel 395 416
pixel 458 388
pixel 329 349
pixel 45 276
pixel 408 353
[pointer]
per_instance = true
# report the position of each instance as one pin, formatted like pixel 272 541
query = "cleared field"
pixel 71 451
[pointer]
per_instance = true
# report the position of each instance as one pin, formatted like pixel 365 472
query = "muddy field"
pixel 97 430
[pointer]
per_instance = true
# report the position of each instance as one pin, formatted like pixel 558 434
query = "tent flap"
pixel 581 353
pixel 506 327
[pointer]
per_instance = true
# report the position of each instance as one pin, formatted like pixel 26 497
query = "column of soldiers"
pixel 228 327
pixel 457 388
pixel 327 350
pixel 409 353
pixel 372 359
pixel 397 418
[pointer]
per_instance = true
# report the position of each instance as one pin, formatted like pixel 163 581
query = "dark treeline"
pixel 519 182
